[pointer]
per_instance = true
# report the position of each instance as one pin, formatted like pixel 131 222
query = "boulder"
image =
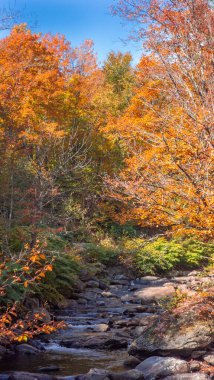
pixel 92 284
pixel 108 294
pixel 131 362
pixel 28 376
pixel 189 376
pixel 66 304
pixel 27 349
pixel 154 293
pixel 156 367
pixel 102 327
pixel 99 341
pixel 133 374
pixel 174 335
pixel 197 354
pixel 209 359
pixel 95 374
pixel 49 368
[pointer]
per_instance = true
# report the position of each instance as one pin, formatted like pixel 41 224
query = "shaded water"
pixel 70 361
pixel 83 324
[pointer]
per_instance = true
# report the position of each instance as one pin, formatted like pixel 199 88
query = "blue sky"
pixel 78 20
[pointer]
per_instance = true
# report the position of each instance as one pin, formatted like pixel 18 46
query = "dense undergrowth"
pixel 50 270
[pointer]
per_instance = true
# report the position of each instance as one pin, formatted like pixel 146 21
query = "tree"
pixel 168 129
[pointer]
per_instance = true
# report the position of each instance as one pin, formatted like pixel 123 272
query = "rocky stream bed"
pixel 118 329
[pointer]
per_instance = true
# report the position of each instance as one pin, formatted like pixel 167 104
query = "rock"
pixel 44 315
pixel 4 376
pixel 27 349
pixel 121 277
pixel 92 284
pixel 98 341
pixel 197 354
pixel 156 367
pixel 194 366
pixel 127 298
pixel 28 376
pixel 79 285
pixel 90 296
pixel 49 368
pixel 153 294
pixel 131 362
pixel 84 275
pixel 108 294
pixel 96 374
pixel 119 282
pixel 100 303
pixel 139 331
pixel 102 327
pixel 147 279
pixel 209 359
pixel 103 285
pixel 193 273
pixel 32 303
pixel 177 335
pixel 115 343
pixel 66 304
pixel 133 374
pixel 188 376
pixel 3 350
pixel 82 301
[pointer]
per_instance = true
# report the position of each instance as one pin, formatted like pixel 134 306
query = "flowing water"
pixel 86 344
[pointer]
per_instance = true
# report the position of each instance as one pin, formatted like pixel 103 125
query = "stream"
pixel 97 333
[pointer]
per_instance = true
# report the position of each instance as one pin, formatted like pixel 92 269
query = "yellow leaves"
pixel 26 268
pixel 22 338
pixel 34 258
pixel 48 268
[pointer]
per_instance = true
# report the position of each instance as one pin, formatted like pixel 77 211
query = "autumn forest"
pixel 105 164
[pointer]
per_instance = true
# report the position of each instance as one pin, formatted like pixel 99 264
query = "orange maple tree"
pixel 168 129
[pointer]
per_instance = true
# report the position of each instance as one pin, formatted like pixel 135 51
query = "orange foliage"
pixel 168 128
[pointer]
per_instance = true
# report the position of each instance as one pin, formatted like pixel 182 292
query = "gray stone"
pixel 147 279
pixel 108 294
pixel 27 349
pixel 189 376
pixel 49 368
pixel 197 354
pixel 209 359
pixel 176 336
pixel 131 362
pixel 133 374
pixel 102 327
pixel 194 366
pixel 96 374
pixel 29 376
pixel 139 331
pixel 156 367
pixel 155 293
pixel 92 284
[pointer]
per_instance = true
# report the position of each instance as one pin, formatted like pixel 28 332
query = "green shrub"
pixel 161 255
pixel 59 283
pixel 98 253
pixel 123 230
